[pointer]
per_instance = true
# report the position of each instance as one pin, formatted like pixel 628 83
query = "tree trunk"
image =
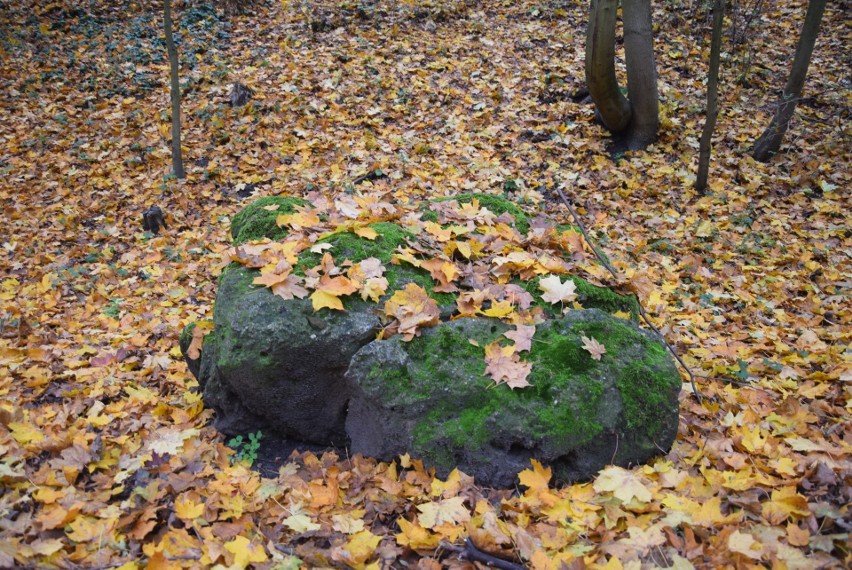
pixel 712 98
pixel 641 73
pixel 177 159
pixel 770 141
pixel 613 107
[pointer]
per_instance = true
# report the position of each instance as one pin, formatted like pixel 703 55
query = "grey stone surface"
pixel 277 365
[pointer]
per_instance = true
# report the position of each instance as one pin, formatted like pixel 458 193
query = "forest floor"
pixel 107 455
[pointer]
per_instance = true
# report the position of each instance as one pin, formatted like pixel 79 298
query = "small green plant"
pixel 245 449
pixel 113 309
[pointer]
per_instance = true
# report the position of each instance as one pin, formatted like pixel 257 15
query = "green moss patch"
pixel 347 246
pixel 255 222
pixel 588 295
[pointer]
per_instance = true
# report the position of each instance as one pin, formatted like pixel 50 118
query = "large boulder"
pixel 321 377
pixel 430 397
pixel 275 365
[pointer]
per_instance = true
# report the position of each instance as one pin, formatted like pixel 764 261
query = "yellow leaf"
pixel 300 523
pixel 705 229
pixel 366 233
pixel 347 524
pixel 414 308
pixel 48 495
pixel 415 536
pixel 322 300
pixel 744 543
pixel 448 488
pixel 187 508
pixel 537 478
pixel 85 529
pixel 25 433
pixel 361 546
pixel 47 546
pixel 245 552
pixel 170 440
pixel 8 289
pixel 623 484
pixel 448 511
pixel 751 440
pixel 783 504
pixel 499 309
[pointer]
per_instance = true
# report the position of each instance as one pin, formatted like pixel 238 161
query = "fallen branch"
pixel 470 552
pixel 615 276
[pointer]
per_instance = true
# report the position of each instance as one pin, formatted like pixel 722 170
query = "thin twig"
pixel 470 552
pixel 615 276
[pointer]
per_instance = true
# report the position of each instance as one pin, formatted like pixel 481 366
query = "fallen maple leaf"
pixel 245 551
pixel 744 543
pixel 413 308
pixel 170 440
pixel 448 511
pixel 596 349
pixel 522 335
pixel 201 329
pixel 537 478
pixel 555 291
pixel 623 484
pixel 324 300
pixel 504 366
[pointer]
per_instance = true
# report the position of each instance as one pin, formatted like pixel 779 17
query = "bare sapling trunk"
pixel 634 119
pixel 177 159
pixel 641 73
pixel 770 141
pixel 712 98
pixel 613 107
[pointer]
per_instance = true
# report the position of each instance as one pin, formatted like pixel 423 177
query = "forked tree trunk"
pixel 641 73
pixel 634 119
pixel 770 141
pixel 177 159
pixel 712 98
pixel 613 107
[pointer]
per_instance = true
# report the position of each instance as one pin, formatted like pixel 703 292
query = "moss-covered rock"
pixel 279 366
pixel 430 397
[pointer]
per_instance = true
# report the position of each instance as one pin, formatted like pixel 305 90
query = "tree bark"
pixel 613 107
pixel 641 73
pixel 712 98
pixel 177 159
pixel 770 141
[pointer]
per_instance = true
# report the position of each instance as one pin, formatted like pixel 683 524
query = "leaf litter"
pixel 106 454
